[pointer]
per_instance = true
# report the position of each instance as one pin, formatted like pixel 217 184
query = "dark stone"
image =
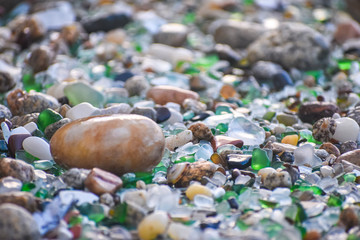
pixel 106 23
pixel 233 203
pixel 52 128
pixel 145 111
pixel 123 76
pixel 40 59
pixel 348 146
pixel 281 79
pixel 6 82
pixel 225 52
pixel 287 157
pixel 200 117
pixel 310 112
pixel 239 161
pixel 15 143
pixel 210 222
pixel 162 114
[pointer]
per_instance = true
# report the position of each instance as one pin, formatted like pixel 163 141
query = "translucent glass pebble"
pixel 249 132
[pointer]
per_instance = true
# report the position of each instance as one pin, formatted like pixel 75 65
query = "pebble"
pixel 175 117
pixel 174 141
pixel 146 112
pixel 107 21
pixel 264 172
pixel 287 119
pixel 52 128
pixel 349 218
pixel 21 103
pixel 162 114
pixel 221 140
pixel 113 140
pixel 355 114
pixel 17 169
pixel 348 146
pixel 137 86
pixel 37 147
pixel 236 34
pixel 352 157
pixel 75 177
pixel 201 132
pixel 197 107
pixel 40 59
pixel 24 119
pixel 326 171
pixel 26 30
pixel 281 79
pixel 153 225
pixel 346 30
pixel 116 108
pixel 18 223
pixel 310 112
pixel 164 94
pixel 100 182
pixel 277 179
pixel 7 82
pixel 346 130
pixel 195 189
pixel 330 148
pixel 172 34
pixel 324 129
pixel 264 71
pixel 312 49
pixel 15 143
pixel 23 199
pixel 290 139
pixel 81 110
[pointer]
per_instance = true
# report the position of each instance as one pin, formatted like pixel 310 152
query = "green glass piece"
pixel 222 127
pixel 119 213
pixel 296 213
pixel 352 237
pixel 47 117
pixel 242 225
pixel 27 187
pixel 75 220
pixel 94 212
pixel 315 189
pixel 25 156
pixel 248 2
pixel 56 170
pixel 230 194
pixel 344 64
pixel 185 159
pixel 30 83
pixel 267 204
pixel 222 110
pixel 42 193
pixel 259 159
pixel 129 180
pixel 335 201
pixel 205 62
pixel 43 164
pixel 269 116
pixel 188 115
pixel 79 92
pixel 189 18
pixel 349 177
pixel 307 134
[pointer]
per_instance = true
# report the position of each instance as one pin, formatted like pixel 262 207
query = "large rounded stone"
pixel 17 223
pixel 164 94
pixel 235 33
pixel 292 45
pixel 116 143
pixel 310 112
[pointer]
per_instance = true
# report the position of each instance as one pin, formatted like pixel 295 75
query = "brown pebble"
pixel 352 157
pixel 310 112
pixel 348 218
pixel 330 148
pixel 6 82
pixel 26 30
pixel 346 31
pixel 40 59
pixel 24 119
pixel 100 182
pixel 17 169
pixel 324 129
pixel 201 132
pixel 164 94
pixel 22 199
pixel 348 146
pixel 312 235
pixel 221 140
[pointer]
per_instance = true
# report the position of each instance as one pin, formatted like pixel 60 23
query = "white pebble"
pixel 175 117
pixel 81 110
pixel 327 171
pixel 31 127
pixel 347 130
pixel 178 140
pixel 37 147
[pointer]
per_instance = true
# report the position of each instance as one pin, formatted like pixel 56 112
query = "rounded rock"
pixel 40 59
pixel 116 143
pixel 17 169
pixel 164 94
pixel 348 146
pixel 311 112
pixel 324 129
pixel 52 128
pixel 18 223
pixel 162 114
pixel 145 111
pixel 137 86
pixel 330 148
pixel 277 179
pixel 172 34
pixel 7 82
pixel 201 131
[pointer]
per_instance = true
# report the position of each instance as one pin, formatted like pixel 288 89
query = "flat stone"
pixel 17 169
pixel 164 94
pixel 287 119
pixel 18 223
pixel 115 143
pixel 352 157
pixel 99 182
pixel 292 45
pixel 145 111
pixel 310 112
pixel 330 148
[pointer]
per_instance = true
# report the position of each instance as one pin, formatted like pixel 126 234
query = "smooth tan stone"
pixel 115 143
pixel 352 157
pixel 164 94
pixel 100 182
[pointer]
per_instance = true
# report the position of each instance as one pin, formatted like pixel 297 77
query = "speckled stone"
pixel 291 45
pixel 18 223
pixel 201 132
pixel 310 112
pixel 52 128
pixel 277 179
pixel 348 146
pixel 75 177
pixel 7 82
pixel 17 169
pixel 23 199
pixel 21 103
pixel 355 114
pixel 5 112
pixel 25 119
pixel 115 143
pixel 324 129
